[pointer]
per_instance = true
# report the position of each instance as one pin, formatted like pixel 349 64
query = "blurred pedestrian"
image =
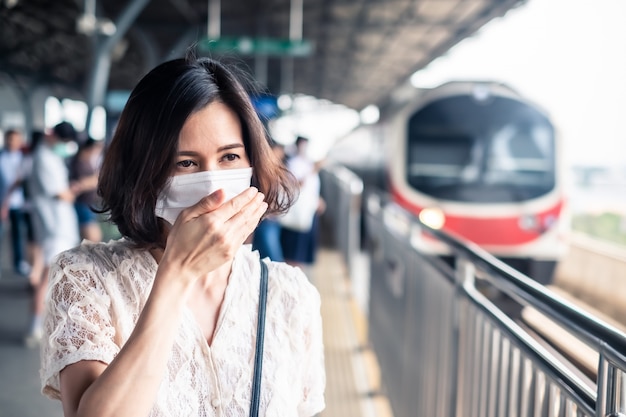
pixel 33 246
pixel 13 174
pixel 299 235
pixel 84 169
pixel 56 223
pixel 3 192
pixel 266 237
pixel 164 322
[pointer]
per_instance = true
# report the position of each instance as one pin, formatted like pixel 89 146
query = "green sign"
pixel 257 46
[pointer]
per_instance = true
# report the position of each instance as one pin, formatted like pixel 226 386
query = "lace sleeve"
pixel 77 323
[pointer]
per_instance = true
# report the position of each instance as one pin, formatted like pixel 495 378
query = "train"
pixel 480 161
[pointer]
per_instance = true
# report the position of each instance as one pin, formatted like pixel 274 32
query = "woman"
pixel 163 321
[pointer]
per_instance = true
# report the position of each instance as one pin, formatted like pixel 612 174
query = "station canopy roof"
pixel 351 52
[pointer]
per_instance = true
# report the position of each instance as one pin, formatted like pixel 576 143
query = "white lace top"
pixel 97 292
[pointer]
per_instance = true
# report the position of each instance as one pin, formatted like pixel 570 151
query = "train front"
pixel 483 163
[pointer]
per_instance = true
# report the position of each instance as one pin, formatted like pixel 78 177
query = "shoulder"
pixel 101 274
pixel 95 251
pixel 291 285
pixel 289 278
pixel 94 259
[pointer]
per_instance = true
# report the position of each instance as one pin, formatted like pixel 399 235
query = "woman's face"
pixel 211 139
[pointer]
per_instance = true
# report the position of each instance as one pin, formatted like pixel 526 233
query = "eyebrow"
pixel 220 149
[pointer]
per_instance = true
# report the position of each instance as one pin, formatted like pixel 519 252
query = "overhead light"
pixel 107 27
pixel 89 24
pixel 284 102
pixel 369 115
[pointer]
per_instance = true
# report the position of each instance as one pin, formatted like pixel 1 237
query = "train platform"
pixel 353 378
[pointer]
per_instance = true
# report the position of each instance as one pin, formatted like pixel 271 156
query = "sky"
pixel 568 56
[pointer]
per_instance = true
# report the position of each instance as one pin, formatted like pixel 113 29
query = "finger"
pixel 205 205
pixel 237 203
pixel 211 201
pixel 253 222
pixel 247 219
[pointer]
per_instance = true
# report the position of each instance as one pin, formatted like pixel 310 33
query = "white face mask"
pixel 186 190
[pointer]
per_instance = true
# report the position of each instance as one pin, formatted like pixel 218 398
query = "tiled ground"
pixel 352 371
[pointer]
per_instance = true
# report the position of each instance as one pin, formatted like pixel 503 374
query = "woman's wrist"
pixel 173 282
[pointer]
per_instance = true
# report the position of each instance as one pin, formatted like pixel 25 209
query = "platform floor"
pixel 353 380
pixel 353 377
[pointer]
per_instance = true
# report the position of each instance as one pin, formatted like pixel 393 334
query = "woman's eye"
pixel 184 164
pixel 231 157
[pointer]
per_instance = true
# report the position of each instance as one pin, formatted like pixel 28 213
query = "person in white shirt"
pixel 13 175
pixel 54 217
pixel 300 241
pixel 163 322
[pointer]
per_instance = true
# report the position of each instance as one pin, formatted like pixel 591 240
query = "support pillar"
pixel 99 75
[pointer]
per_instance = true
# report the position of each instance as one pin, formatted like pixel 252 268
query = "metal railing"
pixel 342 190
pixel 447 347
pixel 460 354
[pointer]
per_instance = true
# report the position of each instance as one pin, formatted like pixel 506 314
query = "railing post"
pixel 611 386
pixel 344 190
pixel 465 272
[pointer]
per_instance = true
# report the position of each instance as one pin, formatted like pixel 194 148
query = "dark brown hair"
pixel 140 158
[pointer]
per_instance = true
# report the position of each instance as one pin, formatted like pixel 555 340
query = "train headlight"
pixel 529 222
pixel 432 217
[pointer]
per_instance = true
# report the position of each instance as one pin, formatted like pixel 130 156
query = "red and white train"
pixel 480 161
pixel 475 159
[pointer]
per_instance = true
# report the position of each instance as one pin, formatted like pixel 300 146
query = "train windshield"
pixel 495 151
